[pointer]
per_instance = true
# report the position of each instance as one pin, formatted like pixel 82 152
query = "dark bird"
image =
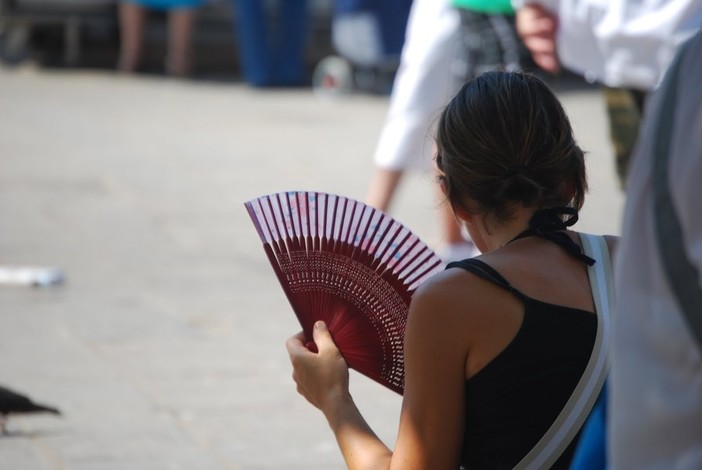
pixel 15 403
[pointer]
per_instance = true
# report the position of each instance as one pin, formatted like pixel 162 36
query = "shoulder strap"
pixel 683 277
pixel 485 271
pixel 575 412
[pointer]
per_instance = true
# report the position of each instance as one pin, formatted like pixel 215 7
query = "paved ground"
pixel 165 347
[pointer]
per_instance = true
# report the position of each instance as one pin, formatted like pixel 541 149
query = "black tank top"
pixel 513 400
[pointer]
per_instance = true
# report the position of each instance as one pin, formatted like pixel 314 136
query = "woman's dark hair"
pixel 504 141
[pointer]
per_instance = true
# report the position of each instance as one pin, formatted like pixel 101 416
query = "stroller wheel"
pixel 332 76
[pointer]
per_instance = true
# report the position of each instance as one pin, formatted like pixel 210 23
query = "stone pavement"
pixel 165 348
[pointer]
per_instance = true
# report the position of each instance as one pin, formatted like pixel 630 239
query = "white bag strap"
pixel 573 415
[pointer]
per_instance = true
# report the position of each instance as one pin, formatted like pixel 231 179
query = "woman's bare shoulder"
pixel 453 295
pixel 451 283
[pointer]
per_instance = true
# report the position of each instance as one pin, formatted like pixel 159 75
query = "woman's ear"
pixel 441 179
pixel 462 214
pixel 570 190
pixel 459 211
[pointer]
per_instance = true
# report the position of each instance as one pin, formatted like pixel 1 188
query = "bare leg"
pixel 180 32
pixel 131 23
pixel 382 187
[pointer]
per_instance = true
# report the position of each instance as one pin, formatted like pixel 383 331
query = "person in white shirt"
pixel 423 86
pixel 624 45
pixel 655 402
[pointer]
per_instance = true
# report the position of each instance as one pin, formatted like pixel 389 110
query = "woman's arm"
pixel 431 425
pixel 433 417
pixel 323 378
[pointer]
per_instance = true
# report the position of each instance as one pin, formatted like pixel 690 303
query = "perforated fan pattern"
pixel 353 266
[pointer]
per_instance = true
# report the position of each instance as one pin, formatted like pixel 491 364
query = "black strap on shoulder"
pixel 550 224
pixel 485 271
pixel 683 277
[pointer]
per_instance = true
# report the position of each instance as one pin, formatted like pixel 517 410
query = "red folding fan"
pixel 351 265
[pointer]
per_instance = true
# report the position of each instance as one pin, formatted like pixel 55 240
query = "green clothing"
pixel 485 6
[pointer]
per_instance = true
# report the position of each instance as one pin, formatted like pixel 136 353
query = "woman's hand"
pixel 322 377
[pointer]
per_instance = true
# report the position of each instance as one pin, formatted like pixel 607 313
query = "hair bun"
pixel 517 186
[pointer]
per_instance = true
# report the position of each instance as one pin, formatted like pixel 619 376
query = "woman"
pixel 493 349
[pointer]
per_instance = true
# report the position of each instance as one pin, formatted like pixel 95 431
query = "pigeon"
pixel 14 403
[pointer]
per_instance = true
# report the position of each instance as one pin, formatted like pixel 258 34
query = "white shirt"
pixel 423 86
pixel 655 409
pixel 622 43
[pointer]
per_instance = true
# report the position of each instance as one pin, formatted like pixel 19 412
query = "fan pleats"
pixel 351 265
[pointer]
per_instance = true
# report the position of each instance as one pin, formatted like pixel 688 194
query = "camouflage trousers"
pixel 625 109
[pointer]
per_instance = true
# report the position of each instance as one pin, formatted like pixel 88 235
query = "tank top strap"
pixel 487 272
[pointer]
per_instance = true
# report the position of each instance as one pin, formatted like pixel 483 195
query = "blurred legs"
pixel 180 32
pixel 131 21
pixel 382 187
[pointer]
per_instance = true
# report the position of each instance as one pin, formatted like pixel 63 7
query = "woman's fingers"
pixel 319 376
pixel 322 338
pixel 296 344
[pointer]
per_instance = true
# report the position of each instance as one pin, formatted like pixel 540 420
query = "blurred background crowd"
pixel 87 33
